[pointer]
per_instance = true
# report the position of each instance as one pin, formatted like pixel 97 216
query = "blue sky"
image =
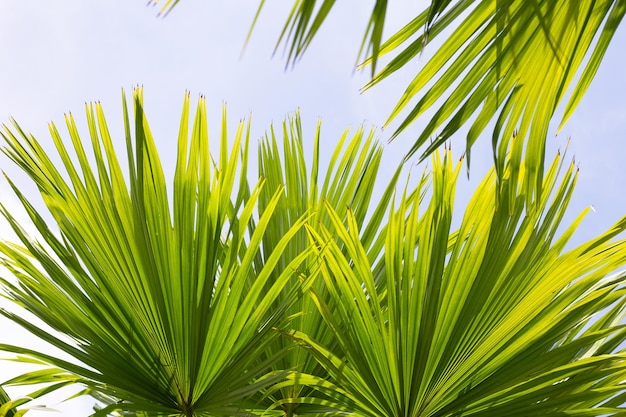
pixel 58 55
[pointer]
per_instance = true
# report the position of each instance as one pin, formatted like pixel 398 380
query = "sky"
pixel 58 55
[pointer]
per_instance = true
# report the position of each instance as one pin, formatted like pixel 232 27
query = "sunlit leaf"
pixel 346 182
pixel 512 62
pixel 153 291
pixel 487 325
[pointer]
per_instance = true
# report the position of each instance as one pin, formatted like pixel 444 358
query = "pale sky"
pixel 58 55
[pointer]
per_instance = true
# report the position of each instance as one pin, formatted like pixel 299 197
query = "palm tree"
pixel 512 62
pixel 294 296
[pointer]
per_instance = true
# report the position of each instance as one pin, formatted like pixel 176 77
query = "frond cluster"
pixel 299 292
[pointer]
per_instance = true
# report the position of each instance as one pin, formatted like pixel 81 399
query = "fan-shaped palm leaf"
pixel 160 304
pixel 490 320
pixel 347 182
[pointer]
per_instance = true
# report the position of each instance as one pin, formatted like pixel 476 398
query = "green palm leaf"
pixel 5 402
pixel 346 183
pixel 51 378
pixel 512 62
pixel 154 294
pixel 488 320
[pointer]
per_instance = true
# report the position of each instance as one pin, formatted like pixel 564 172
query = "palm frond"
pixel 154 294
pixel 483 321
pixel 512 62
pixel 347 182
pixel 52 380
pixel 305 20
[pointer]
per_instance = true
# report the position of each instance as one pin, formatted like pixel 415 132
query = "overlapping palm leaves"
pixel 492 319
pixel 77 292
pixel 347 182
pixel 509 62
pixel 512 62
pixel 201 309
pixel 52 379
pixel 161 308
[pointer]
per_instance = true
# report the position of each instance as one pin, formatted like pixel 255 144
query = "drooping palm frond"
pixel 306 18
pixel 490 320
pixel 154 294
pixel 512 62
pixel 509 62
